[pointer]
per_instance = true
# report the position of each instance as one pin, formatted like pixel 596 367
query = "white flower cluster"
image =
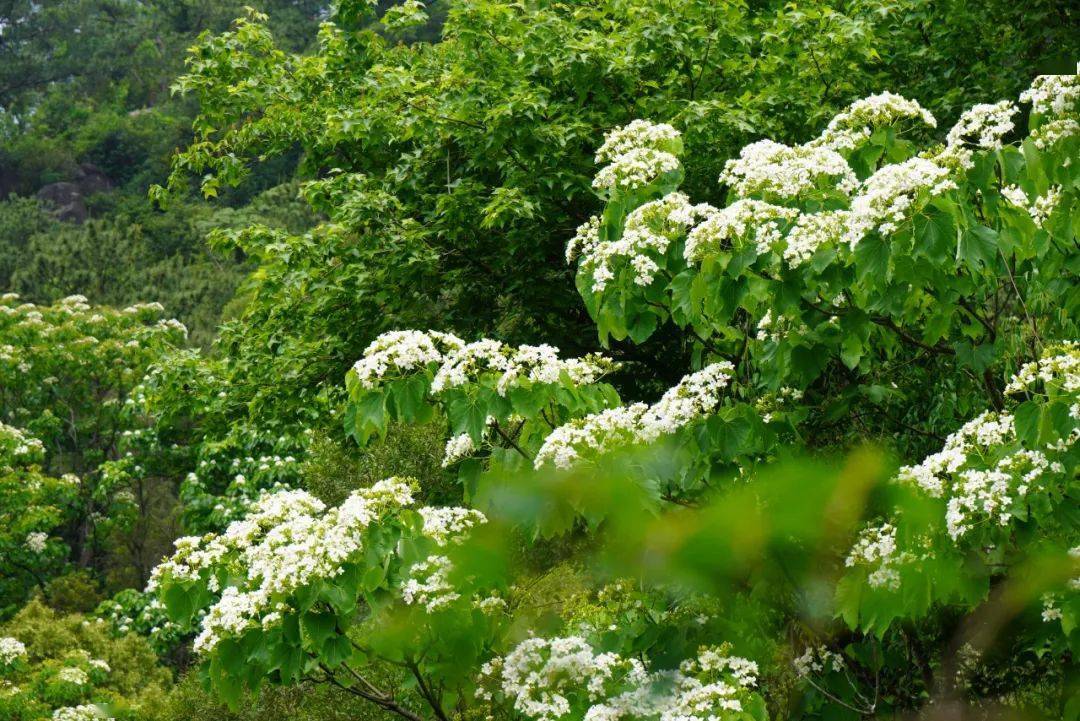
pixel 637 134
pixel 535 363
pixel 1040 209
pixel 981 433
pixel 1058 370
pixel 1053 132
pixel 813 231
pixel 289 541
pixel 649 231
pixel 446 525
pixel 396 353
pixel 83 712
pixel 635 169
pixel 816 659
pixel 979 495
pixel 73 675
pixel 983 126
pixel 876 546
pixel 17 447
pixel 548 679
pixel 1044 205
pixel 457 447
pixel 637 154
pixel 858 120
pixel 35 541
pixel 1053 94
pixel 768 167
pixel 887 196
pixel 428 584
pixel 399 352
pixel 585 239
pixel 596 432
pixel 695 396
pixel 980 472
pixel 11 650
pixel 539 674
pixel 742 220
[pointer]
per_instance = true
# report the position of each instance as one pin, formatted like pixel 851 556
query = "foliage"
pixel 68 661
pixel 67 372
pixel 452 173
pixel 836 279
pixel 33 506
pixel 649 499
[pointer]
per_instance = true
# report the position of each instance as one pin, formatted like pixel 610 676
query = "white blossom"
pixel 288 541
pixel 35 542
pixel 637 154
pixel 1053 94
pixel 695 396
pixel 428 584
pixel 813 231
pixel 745 219
pixel 83 712
pixel 457 448
pixel 859 119
pixel 402 351
pixel 886 197
pixel 983 126
pixel 73 675
pixel 545 678
pixel 649 231
pixel 787 172
pixel 635 169
pixel 11 650
pixel 449 525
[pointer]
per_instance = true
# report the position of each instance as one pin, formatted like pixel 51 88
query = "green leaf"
pixel 872 258
pixel 935 236
pixel 336 650
pixel 528 400
pixel 977 247
pixel 1026 418
pixel 178 604
pixel 849 599
pixel 851 350
pixel 373 577
pixel 410 399
pixel 369 418
pixel 316 627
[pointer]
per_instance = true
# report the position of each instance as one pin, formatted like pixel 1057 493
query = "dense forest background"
pixel 89 122
pixel 291 178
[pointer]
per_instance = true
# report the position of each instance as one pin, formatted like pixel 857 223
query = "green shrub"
pixel 71 660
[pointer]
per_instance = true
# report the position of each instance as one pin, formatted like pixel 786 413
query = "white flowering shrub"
pixel 33 508
pixel 500 402
pixel 515 410
pixel 296 590
pixel 854 250
pixel 1003 483
pixel 551 679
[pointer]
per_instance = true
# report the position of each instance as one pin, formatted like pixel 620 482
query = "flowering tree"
pixel 69 432
pixel 867 284
pixel 33 505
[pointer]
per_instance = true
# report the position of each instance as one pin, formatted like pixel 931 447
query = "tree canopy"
pixel 541 361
